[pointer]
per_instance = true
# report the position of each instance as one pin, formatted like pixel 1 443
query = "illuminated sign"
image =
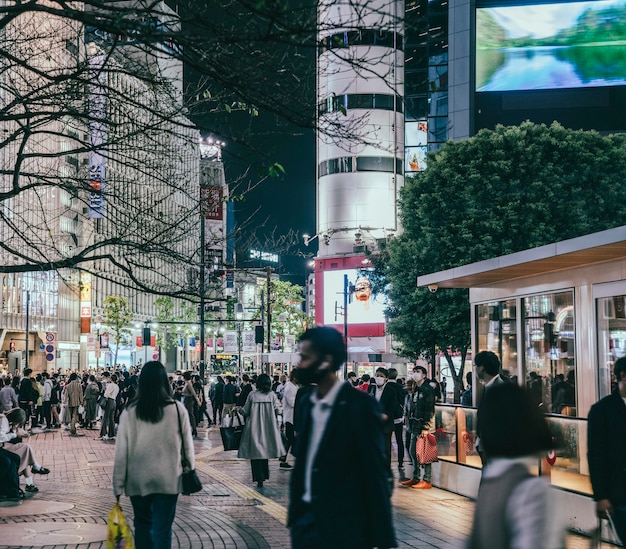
pixel 364 307
pixel 264 256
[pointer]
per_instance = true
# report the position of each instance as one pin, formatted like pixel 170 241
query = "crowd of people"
pixel 317 417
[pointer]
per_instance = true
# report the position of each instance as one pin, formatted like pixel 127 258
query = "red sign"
pixel 212 201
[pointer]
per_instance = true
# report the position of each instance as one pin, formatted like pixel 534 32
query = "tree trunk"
pixel 457 376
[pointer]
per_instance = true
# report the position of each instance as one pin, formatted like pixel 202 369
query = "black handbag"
pixel 231 436
pixel 191 482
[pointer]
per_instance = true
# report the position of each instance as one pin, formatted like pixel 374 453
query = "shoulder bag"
pixel 191 482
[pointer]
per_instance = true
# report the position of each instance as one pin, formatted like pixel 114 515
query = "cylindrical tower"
pixel 360 139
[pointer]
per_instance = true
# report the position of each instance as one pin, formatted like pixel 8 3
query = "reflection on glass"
pixel 567 467
pixel 611 339
pixel 549 338
pixel 497 331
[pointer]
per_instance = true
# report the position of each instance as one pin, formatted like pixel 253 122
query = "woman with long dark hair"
pixel 148 464
pixel 261 438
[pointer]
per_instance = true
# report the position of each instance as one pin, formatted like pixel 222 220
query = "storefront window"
pixel 611 339
pixel 549 341
pixel 497 332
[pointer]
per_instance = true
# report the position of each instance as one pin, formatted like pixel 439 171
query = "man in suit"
pixel 606 431
pixel 487 367
pixel 390 402
pixel 339 493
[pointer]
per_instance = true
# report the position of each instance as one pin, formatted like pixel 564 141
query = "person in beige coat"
pixel 261 438
pixel 148 464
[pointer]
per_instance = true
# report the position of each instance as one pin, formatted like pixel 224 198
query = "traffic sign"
pixel 50 357
pixel 49 336
pixel 49 348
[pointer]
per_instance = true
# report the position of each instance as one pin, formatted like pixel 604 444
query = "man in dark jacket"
pixel 606 430
pixel 339 493
pixel 28 396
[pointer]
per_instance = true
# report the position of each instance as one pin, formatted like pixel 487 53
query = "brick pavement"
pixel 74 500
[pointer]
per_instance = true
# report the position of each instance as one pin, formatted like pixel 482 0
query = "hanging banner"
pixel 230 341
pixel 249 342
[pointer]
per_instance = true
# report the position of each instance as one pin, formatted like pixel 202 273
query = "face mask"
pixel 311 375
pixel 418 376
pixel 380 381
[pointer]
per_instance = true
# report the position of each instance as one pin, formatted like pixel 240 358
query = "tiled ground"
pixel 231 513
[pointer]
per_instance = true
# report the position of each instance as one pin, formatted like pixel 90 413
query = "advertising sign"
pixel 230 341
pixel 249 342
pixel 364 307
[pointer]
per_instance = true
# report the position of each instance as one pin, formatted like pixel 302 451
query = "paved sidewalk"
pixel 230 513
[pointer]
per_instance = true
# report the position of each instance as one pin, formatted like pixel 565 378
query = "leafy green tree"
pixel 117 316
pixel 500 192
pixel 288 318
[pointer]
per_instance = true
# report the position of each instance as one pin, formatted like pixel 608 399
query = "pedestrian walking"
pixel 514 507
pixel 340 497
pixel 147 465
pixel 261 438
pixel 92 394
pixel 191 401
pixel 75 398
pixel 607 452
pixel 107 430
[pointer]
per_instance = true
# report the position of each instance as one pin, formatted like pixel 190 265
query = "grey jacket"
pixel 261 437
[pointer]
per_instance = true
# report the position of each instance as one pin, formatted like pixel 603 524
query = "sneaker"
pixel 285 466
pixel 31 488
pixel 409 482
pixel 41 471
pixel 422 485
pixel 103 438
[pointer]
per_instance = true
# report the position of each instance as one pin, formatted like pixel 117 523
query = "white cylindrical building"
pixel 360 139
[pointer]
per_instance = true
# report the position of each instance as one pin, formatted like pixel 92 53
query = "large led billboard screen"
pixel 364 307
pixel 551 46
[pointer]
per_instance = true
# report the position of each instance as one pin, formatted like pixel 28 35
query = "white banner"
pixel 230 341
pixel 249 344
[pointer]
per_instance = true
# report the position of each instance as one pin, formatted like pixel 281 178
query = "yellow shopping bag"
pixel 119 535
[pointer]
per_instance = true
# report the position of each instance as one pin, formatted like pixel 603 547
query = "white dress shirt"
pixel 320 412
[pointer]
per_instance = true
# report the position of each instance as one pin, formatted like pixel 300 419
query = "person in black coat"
pixel 340 500
pixel 606 431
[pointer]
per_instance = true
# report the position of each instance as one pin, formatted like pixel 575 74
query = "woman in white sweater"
pixel 148 465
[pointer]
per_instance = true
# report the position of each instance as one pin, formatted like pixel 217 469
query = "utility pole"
pixel 27 325
pixel 202 366
pixel 269 309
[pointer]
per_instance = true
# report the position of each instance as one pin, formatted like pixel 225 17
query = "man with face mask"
pixel 421 422
pixel 390 407
pixel 339 442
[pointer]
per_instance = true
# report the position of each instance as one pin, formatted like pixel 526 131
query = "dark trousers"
pixel 154 515
pixel 9 479
pixel 260 469
pixel 304 533
pixel 398 430
pixel 190 404
pixel 218 408
pixel 619 520
pixel 47 413
pixel 28 410
pixel 108 420
pixel 290 437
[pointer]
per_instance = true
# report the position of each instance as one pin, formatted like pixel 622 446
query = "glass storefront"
pixel 548 363
pixel 549 356
pixel 611 316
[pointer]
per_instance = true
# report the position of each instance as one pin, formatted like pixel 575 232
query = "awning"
pixel 576 252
